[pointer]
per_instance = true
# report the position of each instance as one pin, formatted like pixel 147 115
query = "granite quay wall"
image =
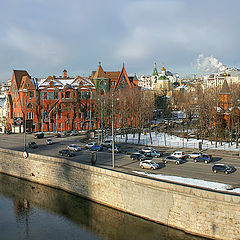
pixel 206 213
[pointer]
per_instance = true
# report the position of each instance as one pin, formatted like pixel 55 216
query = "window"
pixel 30 115
pixel 51 95
pixel 60 115
pixel 85 95
pixel 67 94
pixel 31 94
pixel 48 106
pixel 62 96
pixel 19 114
pixel 55 95
pixel 79 115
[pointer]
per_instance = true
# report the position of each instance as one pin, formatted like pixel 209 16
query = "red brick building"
pixel 61 103
pixel 52 104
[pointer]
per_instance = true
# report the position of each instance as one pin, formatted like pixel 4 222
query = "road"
pixel 123 162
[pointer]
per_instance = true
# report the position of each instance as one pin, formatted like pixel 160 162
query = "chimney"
pixel 64 73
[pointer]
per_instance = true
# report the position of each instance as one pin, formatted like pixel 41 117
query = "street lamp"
pixel 25 122
pixel 113 138
pixel 43 109
pixel 90 93
pixel 100 99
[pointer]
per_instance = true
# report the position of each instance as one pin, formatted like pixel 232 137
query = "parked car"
pixel 32 145
pixel 147 150
pixel 172 159
pixel 149 164
pixel 194 154
pixel 116 149
pixel 96 148
pixel 154 153
pixel 8 132
pixel 179 154
pixel 49 141
pixel 74 147
pixel 39 135
pixel 137 156
pixel 66 152
pixel 91 144
pixel 220 167
pixel 203 158
pixel 74 133
pixel 107 143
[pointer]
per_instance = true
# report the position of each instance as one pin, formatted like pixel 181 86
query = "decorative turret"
pixel 64 73
pixel 155 72
pixel 163 69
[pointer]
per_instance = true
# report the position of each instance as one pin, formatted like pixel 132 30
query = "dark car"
pixel 96 148
pixel 66 152
pixel 223 168
pixel 203 158
pixel 154 153
pixel 172 159
pixel 39 135
pixel 32 145
pixel 139 157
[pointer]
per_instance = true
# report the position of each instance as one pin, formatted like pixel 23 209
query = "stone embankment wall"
pixel 201 212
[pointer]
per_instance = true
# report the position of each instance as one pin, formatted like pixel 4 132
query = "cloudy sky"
pixel 46 36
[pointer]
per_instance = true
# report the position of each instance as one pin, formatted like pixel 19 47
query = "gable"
pixel 27 83
pixel 17 79
pixel 123 80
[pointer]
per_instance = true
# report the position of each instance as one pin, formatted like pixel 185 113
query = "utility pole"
pixel 90 127
pixel 113 145
pixel 43 110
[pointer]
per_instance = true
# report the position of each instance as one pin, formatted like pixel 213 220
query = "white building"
pixel 232 75
pixel 162 82
pixel 3 105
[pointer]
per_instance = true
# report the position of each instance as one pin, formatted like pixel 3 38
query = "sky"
pixel 45 37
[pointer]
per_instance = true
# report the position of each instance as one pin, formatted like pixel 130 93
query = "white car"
pixel 49 141
pixel 74 147
pixel 149 164
pixel 178 154
pixel 116 149
pixel 91 144
pixel 147 150
pixel 195 154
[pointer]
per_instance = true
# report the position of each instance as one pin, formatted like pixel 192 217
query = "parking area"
pixel 123 162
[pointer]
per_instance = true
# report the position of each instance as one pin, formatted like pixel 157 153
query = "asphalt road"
pixel 123 162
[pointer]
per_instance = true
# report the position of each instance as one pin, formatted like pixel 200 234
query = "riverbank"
pixel 201 212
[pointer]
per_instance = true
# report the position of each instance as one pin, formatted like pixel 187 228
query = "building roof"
pixel 100 73
pixel 18 76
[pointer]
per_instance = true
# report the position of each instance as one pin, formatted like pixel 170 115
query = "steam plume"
pixel 209 64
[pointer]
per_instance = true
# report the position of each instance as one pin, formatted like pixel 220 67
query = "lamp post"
pixel 25 122
pixel 43 110
pixel 113 136
pixel 49 114
pixel 90 93
pixel 113 145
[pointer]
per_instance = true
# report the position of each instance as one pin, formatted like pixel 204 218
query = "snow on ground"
pixel 193 182
pixel 165 140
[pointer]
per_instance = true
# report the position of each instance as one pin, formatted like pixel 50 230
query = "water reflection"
pixel 32 211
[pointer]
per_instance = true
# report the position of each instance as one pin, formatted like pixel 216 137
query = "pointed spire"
pixel 155 72
pixel 225 88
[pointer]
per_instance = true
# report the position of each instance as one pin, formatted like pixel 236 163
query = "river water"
pixel 36 212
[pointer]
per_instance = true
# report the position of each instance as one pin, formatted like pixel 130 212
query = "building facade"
pixel 52 104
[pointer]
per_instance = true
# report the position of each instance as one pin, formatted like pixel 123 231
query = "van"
pixel 179 154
